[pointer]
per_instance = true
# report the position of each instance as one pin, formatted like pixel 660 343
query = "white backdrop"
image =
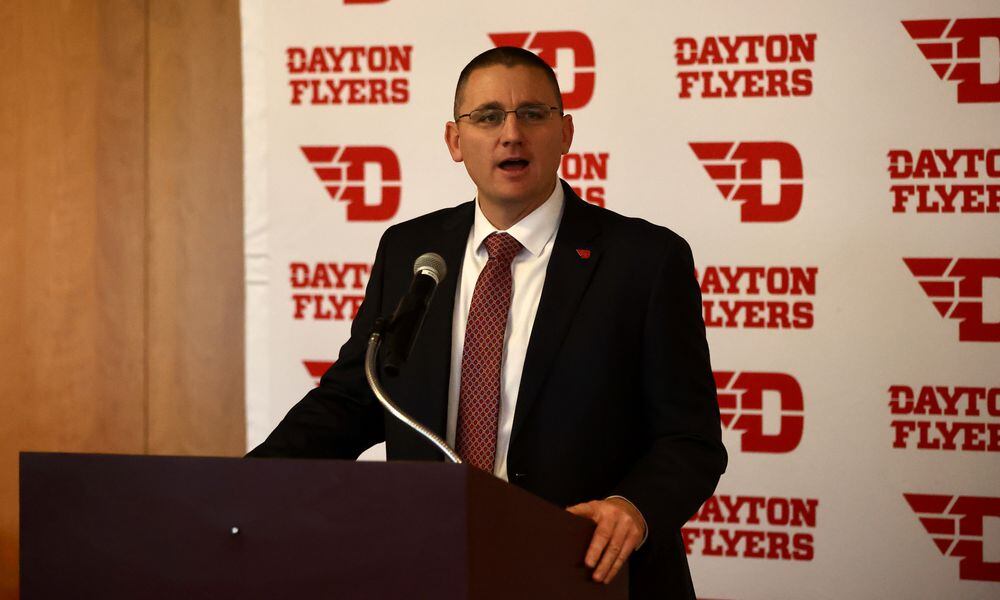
pixel 859 388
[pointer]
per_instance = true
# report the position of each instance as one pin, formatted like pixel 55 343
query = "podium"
pixel 113 526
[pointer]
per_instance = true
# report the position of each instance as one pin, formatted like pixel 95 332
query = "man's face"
pixel 515 163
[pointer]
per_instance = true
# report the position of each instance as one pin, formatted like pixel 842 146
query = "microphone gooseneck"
pixel 399 334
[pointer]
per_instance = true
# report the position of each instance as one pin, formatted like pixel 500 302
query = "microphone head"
pixel 430 264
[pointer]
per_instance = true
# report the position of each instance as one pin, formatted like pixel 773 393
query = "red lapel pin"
pixel 584 253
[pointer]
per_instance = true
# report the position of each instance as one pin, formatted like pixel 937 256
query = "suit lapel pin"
pixel 584 253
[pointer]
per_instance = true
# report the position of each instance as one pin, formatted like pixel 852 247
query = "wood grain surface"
pixel 196 323
pixel 121 280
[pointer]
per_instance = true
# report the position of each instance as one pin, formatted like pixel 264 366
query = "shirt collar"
pixel 533 231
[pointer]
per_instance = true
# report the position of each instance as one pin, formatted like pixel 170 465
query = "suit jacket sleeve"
pixel 685 456
pixel 341 417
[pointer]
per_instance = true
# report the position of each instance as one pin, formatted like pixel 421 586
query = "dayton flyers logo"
pixel 730 525
pixel 741 407
pixel 316 368
pixel 955 50
pixel 956 526
pixel 955 286
pixel 342 170
pixel 546 45
pixel 737 170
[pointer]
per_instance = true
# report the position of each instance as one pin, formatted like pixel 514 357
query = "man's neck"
pixel 503 215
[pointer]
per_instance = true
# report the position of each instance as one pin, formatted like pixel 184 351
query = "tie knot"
pixel 502 247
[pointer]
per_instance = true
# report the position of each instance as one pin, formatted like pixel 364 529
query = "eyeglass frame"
pixel 506 112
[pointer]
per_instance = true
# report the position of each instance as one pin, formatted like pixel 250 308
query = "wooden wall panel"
pixel 196 319
pixel 72 174
pixel 121 253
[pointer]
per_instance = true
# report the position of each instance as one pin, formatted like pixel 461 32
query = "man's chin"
pixel 521 192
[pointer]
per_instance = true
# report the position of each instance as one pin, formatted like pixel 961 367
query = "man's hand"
pixel 620 528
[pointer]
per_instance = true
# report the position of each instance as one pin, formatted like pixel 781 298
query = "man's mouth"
pixel 514 164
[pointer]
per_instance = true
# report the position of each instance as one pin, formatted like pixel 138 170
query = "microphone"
pixel 396 341
pixel 401 332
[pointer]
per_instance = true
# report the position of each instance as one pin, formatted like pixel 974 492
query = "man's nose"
pixel 511 132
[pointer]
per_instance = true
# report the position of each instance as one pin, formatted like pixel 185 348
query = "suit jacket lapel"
pixel 575 255
pixel 449 241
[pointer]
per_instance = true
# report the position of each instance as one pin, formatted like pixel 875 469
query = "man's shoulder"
pixel 445 218
pixel 627 231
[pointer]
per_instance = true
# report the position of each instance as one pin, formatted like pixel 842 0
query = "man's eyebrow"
pixel 485 105
pixel 496 104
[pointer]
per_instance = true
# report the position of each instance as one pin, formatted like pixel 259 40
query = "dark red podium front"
pixel 104 526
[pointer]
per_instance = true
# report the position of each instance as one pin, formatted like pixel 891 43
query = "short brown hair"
pixel 508 56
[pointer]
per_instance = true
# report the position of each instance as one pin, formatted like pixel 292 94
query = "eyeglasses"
pixel 529 114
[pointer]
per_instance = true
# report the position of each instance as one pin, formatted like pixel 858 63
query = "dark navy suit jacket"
pixel 616 396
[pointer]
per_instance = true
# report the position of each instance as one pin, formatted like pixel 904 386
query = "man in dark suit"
pixel 565 352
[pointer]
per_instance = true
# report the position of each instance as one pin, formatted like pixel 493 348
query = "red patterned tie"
pixel 479 394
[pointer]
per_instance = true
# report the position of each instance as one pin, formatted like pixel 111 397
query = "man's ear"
pixel 451 138
pixel 567 133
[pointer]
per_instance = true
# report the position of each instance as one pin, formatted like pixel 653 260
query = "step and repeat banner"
pixel 836 169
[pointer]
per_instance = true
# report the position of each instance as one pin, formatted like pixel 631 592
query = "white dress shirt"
pixel 536 232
